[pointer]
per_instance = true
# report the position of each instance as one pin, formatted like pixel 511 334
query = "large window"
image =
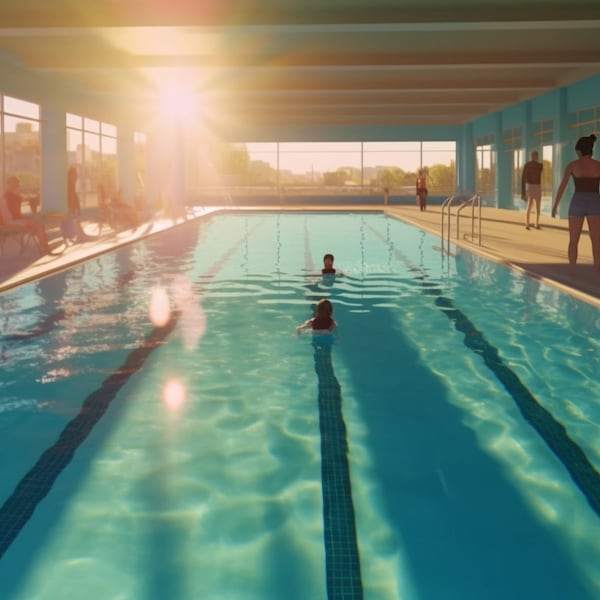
pixel 518 162
pixel 20 146
pixel 485 156
pixel 92 150
pixel 547 178
pixel 587 120
pixel 438 159
pixel 395 165
pixel 328 166
pixel 543 134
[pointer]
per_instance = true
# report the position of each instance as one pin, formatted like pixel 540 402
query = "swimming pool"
pixel 445 445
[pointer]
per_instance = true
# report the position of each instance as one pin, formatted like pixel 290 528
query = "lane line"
pixel 553 432
pixel 38 481
pixel 342 559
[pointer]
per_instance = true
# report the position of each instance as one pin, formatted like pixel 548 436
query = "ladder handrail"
pixel 477 201
pixel 473 200
pixel 446 202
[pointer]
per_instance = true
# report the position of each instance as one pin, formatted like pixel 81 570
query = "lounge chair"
pixel 21 232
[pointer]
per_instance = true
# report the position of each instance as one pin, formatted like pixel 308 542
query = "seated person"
pixel 10 214
pixel 323 321
pixel 13 197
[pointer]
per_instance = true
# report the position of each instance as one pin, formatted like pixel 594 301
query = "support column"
pixel 178 179
pixel 165 175
pixel 564 152
pixel 527 145
pixel 465 153
pixel 126 163
pixel 54 160
pixel 154 167
pixel 503 169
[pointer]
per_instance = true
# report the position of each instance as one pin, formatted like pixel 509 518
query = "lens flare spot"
pixel 160 307
pixel 174 394
pixel 192 319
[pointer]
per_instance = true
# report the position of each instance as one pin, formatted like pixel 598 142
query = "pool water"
pixel 165 433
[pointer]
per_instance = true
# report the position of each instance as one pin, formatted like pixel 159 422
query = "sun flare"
pixel 174 394
pixel 177 100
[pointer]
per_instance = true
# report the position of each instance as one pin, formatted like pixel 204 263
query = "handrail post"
pixel 446 202
pixel 479 204
pixel 473 201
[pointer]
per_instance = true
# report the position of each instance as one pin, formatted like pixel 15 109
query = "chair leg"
pixel 21 238
pixel 28 238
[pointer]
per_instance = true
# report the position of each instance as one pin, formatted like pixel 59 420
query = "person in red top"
pixel 322 322
pixel 13 198
pixel 421 190
pixel 328 265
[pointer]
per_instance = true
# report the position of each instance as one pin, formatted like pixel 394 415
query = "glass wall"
pixel 92 150
pixel 327 166
pixel 485 179
pixel 394 165
pixel 543 133
pixel 324 164
pixel 438 160
pixel 547 178
pixel 518 162
pixel 20 148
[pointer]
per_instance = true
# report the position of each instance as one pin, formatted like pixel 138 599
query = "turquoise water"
pixel 190 457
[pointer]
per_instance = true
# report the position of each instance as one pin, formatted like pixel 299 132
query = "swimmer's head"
pixel 324 308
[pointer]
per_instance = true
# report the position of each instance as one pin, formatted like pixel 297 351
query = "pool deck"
pixel 540 253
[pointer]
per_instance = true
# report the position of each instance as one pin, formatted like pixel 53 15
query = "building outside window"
pixel 92 150
pixel 20 148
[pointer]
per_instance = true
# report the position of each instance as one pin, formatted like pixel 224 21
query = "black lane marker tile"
pixel 36 484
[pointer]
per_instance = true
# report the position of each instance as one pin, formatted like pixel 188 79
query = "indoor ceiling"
pixel 311 62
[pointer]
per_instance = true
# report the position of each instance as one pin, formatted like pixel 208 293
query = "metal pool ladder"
pixel 462 200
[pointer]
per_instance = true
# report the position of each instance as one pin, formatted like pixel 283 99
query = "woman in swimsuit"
pixel 585 202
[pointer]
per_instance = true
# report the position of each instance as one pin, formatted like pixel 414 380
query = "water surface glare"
pixel 165 433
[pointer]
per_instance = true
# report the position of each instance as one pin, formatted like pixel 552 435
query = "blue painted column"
pixel 527 143
pixel 465 152
pixel 504 193
pixel 564 153
pixel 54 160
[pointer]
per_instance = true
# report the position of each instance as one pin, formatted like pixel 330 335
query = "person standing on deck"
pixel 531 188
pixel 585 202
pixel 421 190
